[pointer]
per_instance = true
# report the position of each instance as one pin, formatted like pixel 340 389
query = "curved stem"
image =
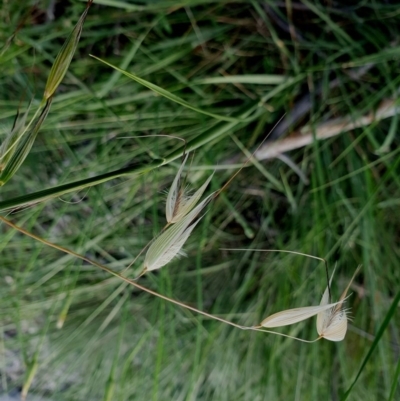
pixel 260 328
pixel 154 293
pixel 284 251
pixel 116 274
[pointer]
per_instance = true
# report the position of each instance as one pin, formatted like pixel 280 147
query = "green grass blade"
pixel 23 147
pixel 60 190
pixel 255 79
pixel 390 313
pixel 395 382
pixel 218 132
pixel 162 92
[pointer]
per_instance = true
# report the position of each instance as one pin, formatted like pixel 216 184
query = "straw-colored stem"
pixel 260 328
pixel 154 293
pixel 114 273
pixel 284 251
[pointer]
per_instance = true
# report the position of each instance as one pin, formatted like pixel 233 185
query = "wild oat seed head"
pixel 179 203
pixel 332 323
pixel 169 244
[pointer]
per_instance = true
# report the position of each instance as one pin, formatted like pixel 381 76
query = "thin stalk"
pixel 292 252
pixel 259 328
pixel 116 274
pixel 141 287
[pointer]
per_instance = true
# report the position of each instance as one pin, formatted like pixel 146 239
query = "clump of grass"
pixel 331 319
pixel 17 145
pixel 219 78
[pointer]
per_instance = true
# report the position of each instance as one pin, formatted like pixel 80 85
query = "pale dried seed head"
pixel 331 318
pixel 186 203
pixel 332 323
pixel 324 317
pixel 335 326
pixel 179 203
pixel 169 244
pixel 174 194
pixel 291 316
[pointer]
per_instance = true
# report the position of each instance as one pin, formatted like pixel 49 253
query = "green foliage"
pixel 18 143
pixel 219 75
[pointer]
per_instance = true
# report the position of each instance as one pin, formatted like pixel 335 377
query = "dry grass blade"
pixel 64 57
pixel 328 129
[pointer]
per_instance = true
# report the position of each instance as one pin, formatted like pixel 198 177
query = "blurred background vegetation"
pixel 69 331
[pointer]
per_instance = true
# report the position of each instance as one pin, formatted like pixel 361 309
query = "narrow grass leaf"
pixel 391 312
pixel 8 146
pixel 162 92
pixel 255 79
pixel 23 147
pixel 59 190
pixel 395 382
pixel 30 375
pixel 64 57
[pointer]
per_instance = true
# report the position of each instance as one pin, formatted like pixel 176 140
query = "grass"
pixel 73 332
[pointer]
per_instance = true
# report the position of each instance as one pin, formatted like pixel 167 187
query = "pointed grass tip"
pixel 65 55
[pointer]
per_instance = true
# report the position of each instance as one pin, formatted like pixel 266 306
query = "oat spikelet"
pixel 179 203
pixel 332 322
pixel 169 244
pixel 331 317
